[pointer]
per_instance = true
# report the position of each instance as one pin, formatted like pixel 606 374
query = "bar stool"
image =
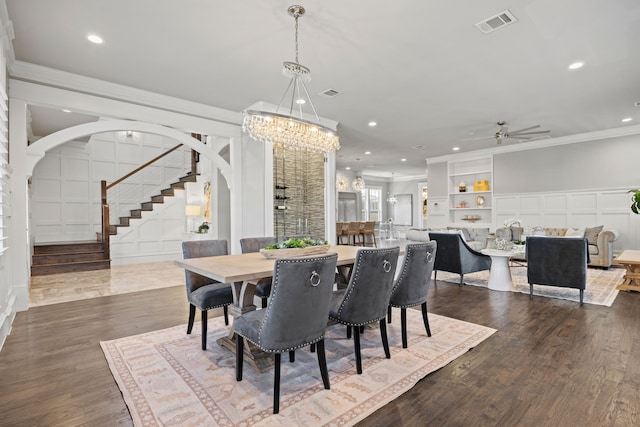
pixel 369 229
pixel 353 230
pixel 340 228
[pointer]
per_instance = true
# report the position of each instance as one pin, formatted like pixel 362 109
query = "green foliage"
pixel 297 243
pixel 635 201
pixel 203 228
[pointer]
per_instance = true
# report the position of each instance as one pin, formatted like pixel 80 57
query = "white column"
pixel 19 233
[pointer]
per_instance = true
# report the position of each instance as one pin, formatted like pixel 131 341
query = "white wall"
pixel 412 187
pixel 66 203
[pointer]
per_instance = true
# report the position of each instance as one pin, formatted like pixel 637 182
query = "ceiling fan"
pixel 504 133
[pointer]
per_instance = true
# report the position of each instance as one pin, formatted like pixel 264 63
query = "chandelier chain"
pixel 297 39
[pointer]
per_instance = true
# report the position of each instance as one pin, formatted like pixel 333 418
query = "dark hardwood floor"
pixel 551 363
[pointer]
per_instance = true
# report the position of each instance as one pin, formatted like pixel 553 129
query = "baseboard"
pixel 140 259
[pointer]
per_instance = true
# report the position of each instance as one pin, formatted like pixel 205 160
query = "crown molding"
pixel 541 143
pixel 25 71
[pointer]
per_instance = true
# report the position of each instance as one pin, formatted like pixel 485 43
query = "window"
pixel 371 197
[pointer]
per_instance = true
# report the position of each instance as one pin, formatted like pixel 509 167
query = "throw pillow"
pixel 465 234
pixel 574 232
pixel 591 233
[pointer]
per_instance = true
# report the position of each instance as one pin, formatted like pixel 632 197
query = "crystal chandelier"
pixel 392 200
pixel 342 183
pixel 284 130
pixel 358 184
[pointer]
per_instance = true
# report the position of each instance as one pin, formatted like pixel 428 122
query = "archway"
pixel 37 150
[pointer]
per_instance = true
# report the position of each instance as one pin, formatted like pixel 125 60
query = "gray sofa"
pixel 475 238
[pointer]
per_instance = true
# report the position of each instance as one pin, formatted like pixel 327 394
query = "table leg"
pixel 500 274
pixel 243 294
pixel 631 278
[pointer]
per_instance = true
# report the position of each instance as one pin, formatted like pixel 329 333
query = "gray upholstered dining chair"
pixel 557 261
pixel 366 298
pixel 412 285
pixel 254 244
pixel 204 293
pixel 295 317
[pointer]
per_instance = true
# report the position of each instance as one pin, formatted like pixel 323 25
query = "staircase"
pixel 68 257
pixel 72 257
pixel 148 206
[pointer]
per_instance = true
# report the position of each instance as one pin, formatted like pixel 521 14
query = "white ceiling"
pixel 419 68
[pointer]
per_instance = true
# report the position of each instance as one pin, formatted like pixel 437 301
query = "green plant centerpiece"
pixel 295 247
pixel 635 201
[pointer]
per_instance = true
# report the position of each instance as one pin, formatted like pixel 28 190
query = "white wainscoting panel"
pixel 610 208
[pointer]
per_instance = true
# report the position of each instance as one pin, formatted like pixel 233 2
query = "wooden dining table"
pixel 243 271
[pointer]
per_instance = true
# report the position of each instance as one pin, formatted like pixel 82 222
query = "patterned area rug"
pixel 600 289
pixel 166 379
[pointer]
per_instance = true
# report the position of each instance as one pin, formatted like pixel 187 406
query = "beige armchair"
pixel 602 254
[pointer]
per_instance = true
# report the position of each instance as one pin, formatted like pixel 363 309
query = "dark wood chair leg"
pixel 461 279
pixel 225 310
pixel 361 329
pixel 425 318
pixel 356 348
pixel 264 302
pixel 312 348
pixel 530 290
pixel 292 356
pixel 192 317
pixel 322 362
pixel 389 314
pixel 239 357
pixel 348 331
pixel 276 384
pixel 581 295
pixel 385 341
pixel 203 315
pixel 403 326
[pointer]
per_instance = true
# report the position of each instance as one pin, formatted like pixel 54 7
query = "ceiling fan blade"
pixel 530 133
pixel 524 129
pixel 478 138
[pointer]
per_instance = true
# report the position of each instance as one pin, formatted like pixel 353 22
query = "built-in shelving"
pixel 470 206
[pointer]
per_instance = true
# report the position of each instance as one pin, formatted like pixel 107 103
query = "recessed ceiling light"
pixel 367 152
pixel 576 65
pixel 300 101
pixel 417 147
pixel 348 168
pixel 456 148
pixel 65 110
pixel 373 124
pixel 403 160
pixel 94 38
pixel 626 119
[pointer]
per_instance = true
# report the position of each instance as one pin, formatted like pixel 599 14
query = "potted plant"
pixel 635 201
pixel 203 228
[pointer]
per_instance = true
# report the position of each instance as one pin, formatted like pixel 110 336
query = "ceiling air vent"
pixel 330 93
pixel 498 21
